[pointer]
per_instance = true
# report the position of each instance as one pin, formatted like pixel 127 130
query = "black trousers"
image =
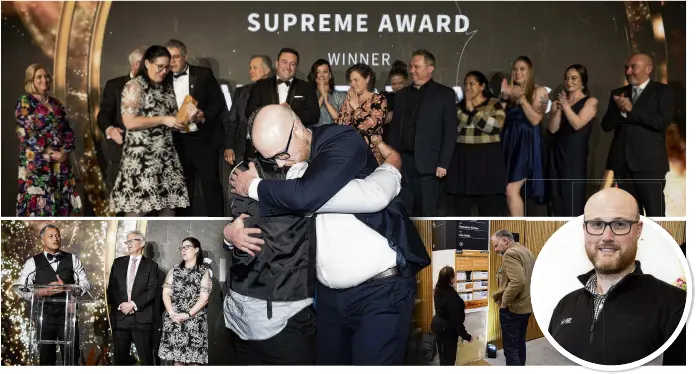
pixel 54 330
pixel 200 160
pixel 422 189
pixel 368 324
pixel 447 347
pixel 514 330
pixel 295 345
pixel 138 333
pixel 646 187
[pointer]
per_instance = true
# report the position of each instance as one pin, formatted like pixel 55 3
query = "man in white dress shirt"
pixel 53 267
pixel 287 336
pixel 198 148
pixel 366 263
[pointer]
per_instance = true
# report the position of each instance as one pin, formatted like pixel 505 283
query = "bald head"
pixel 638 68
pixel 612 202
pixel 278 133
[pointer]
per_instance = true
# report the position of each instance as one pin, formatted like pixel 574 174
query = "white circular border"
pixel 577 223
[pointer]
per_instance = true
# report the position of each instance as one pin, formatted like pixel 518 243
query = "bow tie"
pixel 287 83
pixel 180 75
pixel 52 257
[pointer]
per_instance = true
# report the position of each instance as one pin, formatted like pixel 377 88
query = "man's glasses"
pixel 128 242
pixel 620 227
pixel 282 155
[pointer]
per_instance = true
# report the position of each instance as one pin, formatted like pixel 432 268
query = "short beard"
pixel 625 260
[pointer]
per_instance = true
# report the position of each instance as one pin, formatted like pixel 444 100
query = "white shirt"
pixel 348 251
pixel 128 273
pixel 642 88
pixel 283 90
pixel 28 275
pixel 181 86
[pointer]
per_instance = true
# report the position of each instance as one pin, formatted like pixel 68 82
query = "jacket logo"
pixel 566 321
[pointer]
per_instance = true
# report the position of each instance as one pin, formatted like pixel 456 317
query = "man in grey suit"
pixel 237 140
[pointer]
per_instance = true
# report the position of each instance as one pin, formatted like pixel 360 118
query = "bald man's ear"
pixel 639 227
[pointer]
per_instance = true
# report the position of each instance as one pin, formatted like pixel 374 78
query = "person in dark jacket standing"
pixel 620 315
pixel 448 322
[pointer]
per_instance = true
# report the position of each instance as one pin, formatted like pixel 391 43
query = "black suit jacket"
pixel 639 139
pixel 302 98
pixel 143 293
pixel 204 87
pixel 436 127
pixel 236 122
pixel 339 154
pixel 110 115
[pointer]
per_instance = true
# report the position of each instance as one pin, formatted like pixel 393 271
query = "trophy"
pixel 188 109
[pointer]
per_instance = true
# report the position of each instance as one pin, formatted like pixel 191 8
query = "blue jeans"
pixel 514 329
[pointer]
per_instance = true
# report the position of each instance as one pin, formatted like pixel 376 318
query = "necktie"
pixel 280 81
pixel 131 277
pixel 180 75
pixel 636 93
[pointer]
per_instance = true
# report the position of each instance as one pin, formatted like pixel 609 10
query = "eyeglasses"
pixel 128 242
pixel 185 247
pixel 620 227
pixel 282 155
pixel 162 67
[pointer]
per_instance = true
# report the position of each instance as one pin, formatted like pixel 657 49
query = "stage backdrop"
pixel 87 43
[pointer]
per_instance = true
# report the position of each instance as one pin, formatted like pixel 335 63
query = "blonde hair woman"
pixel 46 183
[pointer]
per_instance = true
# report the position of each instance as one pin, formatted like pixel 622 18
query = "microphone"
pixel 57 258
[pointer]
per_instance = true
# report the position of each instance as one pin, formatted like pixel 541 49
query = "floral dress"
pixel 368 118
pixel 150 177
pixel 46 188
pixel 188 341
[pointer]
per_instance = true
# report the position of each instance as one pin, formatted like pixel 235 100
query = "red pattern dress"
pixel 368 118
pixel 46 188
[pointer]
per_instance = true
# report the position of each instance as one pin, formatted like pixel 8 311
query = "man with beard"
pixel 513 295
pixel 621 315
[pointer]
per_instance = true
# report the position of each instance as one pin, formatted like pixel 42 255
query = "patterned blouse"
pixel 483 124
pixel 46 188
pixel 368 118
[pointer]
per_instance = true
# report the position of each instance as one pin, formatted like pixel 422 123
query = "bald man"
pixel 366 265
pixel 620 315
pixel 639 114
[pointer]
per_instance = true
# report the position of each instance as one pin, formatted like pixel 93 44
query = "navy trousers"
pixel 514 331
pixel 368 324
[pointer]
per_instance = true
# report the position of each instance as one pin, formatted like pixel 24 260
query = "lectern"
pixel 52 304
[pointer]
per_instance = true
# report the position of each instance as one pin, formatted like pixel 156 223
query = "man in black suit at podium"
pixel 110 121
pixel 286 89
pixel 131 298
pixel 53 267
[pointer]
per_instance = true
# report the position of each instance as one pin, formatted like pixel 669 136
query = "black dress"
pixel 568 166
pixel 448 325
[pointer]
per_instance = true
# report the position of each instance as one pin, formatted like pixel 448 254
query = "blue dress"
pixel 522 148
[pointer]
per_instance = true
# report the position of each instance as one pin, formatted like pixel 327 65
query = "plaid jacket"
pixel 481 126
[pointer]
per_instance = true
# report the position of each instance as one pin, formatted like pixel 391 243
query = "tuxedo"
pixel 301 97
pixel 198 151
pixel 368 323
pixel 136 327
pixel 237 123
pixel 110 116
pixel 424 130
pixel 638 149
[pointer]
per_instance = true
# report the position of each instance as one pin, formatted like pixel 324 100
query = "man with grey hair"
pixel 110 121
pixel 238 138
pixel 513 296
pixel 53 267
pixel 131 300
pixel 198 148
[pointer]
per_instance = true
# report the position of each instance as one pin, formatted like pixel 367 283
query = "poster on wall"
pixel 472 235
pixel 471 267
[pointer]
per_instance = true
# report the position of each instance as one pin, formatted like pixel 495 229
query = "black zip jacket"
pixel 639 316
